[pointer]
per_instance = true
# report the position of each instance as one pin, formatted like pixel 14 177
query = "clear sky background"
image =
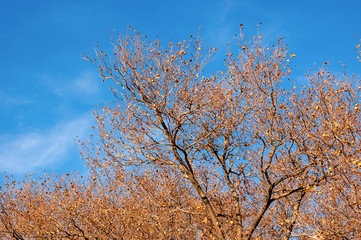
pixel 48 93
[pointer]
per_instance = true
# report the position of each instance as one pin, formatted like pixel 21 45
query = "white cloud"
pixel 41 149
pixel 10 100
pixel 86 83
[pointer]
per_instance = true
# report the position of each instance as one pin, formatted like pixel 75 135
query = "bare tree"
pixel 240 129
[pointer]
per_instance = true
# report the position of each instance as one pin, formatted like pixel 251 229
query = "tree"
pixel 232 155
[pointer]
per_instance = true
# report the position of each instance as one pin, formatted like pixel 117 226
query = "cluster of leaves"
pixel 126 205
pixel 186 155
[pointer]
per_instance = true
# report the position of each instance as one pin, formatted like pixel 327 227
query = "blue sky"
pixel 48 93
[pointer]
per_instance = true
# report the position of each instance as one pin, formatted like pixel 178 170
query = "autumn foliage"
pixel 243 153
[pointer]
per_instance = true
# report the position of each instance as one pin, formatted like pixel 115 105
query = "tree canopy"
pixel 181 153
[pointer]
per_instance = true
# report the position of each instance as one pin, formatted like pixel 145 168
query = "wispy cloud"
pixel 10 100
pixel 86 83
pixel 41 149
